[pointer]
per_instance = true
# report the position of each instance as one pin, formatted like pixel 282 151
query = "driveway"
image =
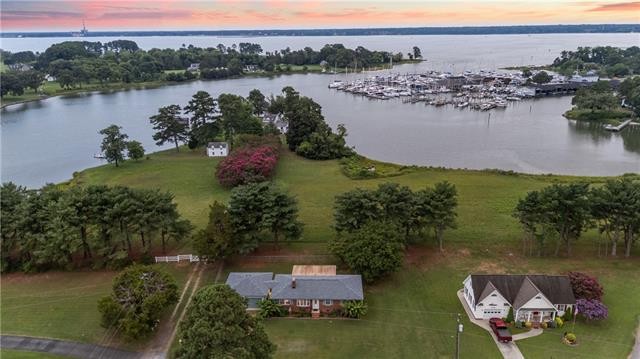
pixel 509 350
pixel 64 348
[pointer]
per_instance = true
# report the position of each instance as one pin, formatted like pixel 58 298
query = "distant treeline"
pixel 606 60
pixel 74 63
pixel 462 30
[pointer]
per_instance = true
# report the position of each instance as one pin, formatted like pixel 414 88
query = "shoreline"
pixel 158 84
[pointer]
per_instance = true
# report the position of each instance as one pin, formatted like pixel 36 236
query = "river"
pixel 47 141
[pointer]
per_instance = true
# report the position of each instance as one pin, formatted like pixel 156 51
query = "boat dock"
pixel 618 128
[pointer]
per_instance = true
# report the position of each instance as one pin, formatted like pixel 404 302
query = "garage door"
pixel 491 313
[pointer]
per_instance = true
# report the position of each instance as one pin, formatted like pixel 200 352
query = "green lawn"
pixel 486 198
pixel 17 354
pixel 412 311
pixel 61 304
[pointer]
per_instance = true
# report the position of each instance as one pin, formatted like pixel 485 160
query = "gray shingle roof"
pixel 518 289
pixel 250 284
pixel 338 287
pixel 217 144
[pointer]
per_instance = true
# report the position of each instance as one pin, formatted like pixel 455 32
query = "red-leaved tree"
pixel 246 165
pixel 585 286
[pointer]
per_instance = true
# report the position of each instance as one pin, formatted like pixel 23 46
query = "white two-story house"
pixel 534 298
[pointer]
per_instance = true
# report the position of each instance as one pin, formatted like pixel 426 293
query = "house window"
pixel 328 302
pixel 562 306
pixel 506 304
pixel 302 302
pixel 494 295
pixel 538 297
pixel 480 305
pixel 284 301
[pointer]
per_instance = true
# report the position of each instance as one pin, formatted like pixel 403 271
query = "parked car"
pixel 500 329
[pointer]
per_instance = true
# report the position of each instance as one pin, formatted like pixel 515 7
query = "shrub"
pixel 354 308
pixel 247 165
pixel 270 308
pixel 570 337
pixel 592 309
pixel 585 286
pixel 559 322
pixel 544 325
pixel 510 315
pixel 518 325
pixel 527 325
pixel 568 315
pixel 552 324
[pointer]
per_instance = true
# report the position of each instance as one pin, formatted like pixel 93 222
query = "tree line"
pixel 230 117
pixel 561 213
pixel 374 226
pixel 602 102
pixel 606 60
pixel 99 226
pixel 74 63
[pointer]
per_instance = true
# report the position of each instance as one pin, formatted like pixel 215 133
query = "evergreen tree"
pixel 169 126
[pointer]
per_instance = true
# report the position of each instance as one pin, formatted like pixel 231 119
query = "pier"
pixel 618 128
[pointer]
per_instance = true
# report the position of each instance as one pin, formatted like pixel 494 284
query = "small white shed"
pixel 217 149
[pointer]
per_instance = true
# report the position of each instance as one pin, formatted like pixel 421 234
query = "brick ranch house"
pixel 534 298
pixel 314 289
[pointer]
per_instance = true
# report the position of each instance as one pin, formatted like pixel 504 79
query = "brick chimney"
pixel 293 282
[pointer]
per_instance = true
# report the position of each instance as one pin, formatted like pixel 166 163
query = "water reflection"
pixel 631 138
pixel 593 130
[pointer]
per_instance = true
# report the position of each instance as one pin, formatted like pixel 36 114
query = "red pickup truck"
pixel 500 329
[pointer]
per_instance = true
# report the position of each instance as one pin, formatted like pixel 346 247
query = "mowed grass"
pixel 486 199
pixel 18 354
pixel 412 313
pixel 63 305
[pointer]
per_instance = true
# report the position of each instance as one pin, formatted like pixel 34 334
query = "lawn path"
pixel 161 343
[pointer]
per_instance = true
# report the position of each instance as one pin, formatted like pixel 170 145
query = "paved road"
pixel 509 350
pixel 64 348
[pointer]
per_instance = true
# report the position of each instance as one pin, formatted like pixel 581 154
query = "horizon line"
pixel 326 28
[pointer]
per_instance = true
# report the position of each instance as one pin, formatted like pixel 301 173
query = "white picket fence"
pixel 178 258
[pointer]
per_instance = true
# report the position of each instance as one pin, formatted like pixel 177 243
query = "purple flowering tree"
pixel 592 309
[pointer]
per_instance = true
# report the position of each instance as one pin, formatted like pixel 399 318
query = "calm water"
pixel 46 141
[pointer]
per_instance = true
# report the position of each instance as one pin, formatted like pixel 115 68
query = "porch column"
pixel 553 315
pixel 528 316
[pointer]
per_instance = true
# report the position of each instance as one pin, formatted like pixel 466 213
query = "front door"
pixel 315 305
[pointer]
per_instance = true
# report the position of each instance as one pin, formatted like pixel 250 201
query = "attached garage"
pixel 493 313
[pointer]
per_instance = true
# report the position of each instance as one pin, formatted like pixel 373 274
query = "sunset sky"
pixel 67 15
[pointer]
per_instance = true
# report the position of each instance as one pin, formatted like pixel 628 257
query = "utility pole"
pixel 459 328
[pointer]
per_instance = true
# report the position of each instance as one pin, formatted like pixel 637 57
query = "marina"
pixel 482 90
